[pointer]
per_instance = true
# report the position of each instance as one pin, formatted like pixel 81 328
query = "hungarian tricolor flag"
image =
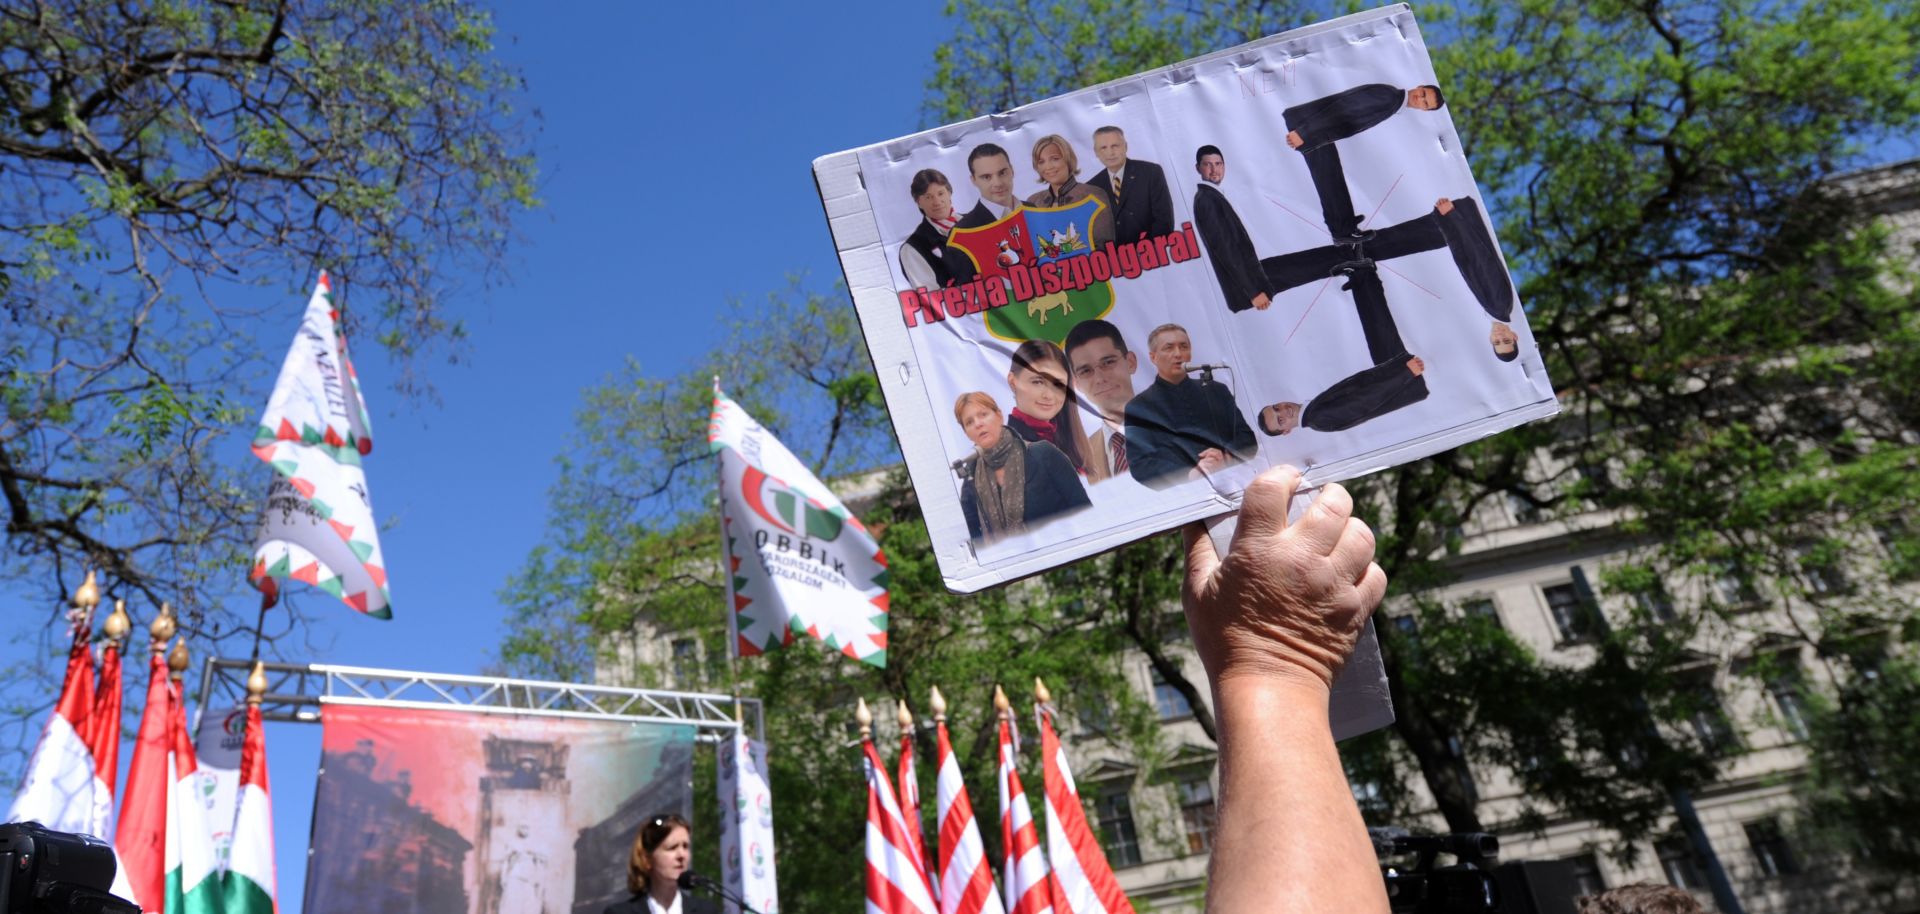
pixel 192 885
pixel 141 836
pixel 895 883
pixel 317 525
pixel 966 884
pixel 1080 867
pixel 58 789
pixel 799 563
pixel 249 881
pixel 1028 887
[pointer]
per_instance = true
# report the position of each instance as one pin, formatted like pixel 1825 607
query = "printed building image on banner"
pixel 454 812
pixel 1098 316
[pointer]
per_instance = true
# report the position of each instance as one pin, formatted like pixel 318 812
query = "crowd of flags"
pixel 162 840
pixel 1068 874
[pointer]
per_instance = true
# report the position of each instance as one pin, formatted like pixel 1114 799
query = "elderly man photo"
pixel 1143 207
pixel 1180 428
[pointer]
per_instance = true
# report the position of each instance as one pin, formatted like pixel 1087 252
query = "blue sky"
pixel 675 167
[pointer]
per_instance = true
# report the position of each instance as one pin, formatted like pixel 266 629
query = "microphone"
pixel 690 880
pixel 1216 366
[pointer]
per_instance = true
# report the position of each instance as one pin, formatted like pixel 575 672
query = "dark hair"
pixel 1208 150
pixel 1509 355
pixel 653 833
pixel 1087 331
pixel 925 178
pixel 1641 898
pixel 984 150
pixel 1069 437
pixel 1439 101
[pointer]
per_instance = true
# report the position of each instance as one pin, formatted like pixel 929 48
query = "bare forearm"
pixel 1290 836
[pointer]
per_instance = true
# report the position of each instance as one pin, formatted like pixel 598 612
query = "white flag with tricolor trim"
pixel 318 525
pixel 746 836
pixel 798 562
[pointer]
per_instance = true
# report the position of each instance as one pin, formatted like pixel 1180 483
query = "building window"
pixel 1770 850
pixel 1172 704
pixel 1481 608
pixel 686 662
pixel 1572 616
pixel 1114 814
pixel 1708 720
pixel 1523 509
pixel 1731 585
pixel 1656 603
pixel 1819 571
pixel 1407 628
pixel 1095 715
pixel 1587 879
pixel 1680 863
pixel 1198 813
pixel 1789 701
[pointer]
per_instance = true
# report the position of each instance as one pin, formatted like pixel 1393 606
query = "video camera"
pixel 43 871
pixel 1475 882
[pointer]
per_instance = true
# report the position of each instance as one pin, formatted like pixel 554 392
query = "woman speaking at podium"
pixel 661 852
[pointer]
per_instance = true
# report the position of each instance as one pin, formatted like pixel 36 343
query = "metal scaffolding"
pixel 300 692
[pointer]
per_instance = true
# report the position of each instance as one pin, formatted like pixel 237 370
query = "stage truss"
pixel 300 692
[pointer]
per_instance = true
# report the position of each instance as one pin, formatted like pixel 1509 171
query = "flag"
pixel 317 525
pixel 798 562
pixel 910 803
pixel 1079 865
pixel 746 837
pixel 895 885
pixel 141 836
pixel 58 788
pixel 103 740
pixel 1027 886
pixel 966 884
pixel 192 880
pixel 248 884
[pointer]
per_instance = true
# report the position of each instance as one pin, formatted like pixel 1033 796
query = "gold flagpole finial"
pixel 178 660
pixel 864 718
pixel 87 595
pixel 904 718
pixel 1001 704
pixel 1040 693
pixel 256 682
pixel 162 628
pixel 118 624
pixel 938 703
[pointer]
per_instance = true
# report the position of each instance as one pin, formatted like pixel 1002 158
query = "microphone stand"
pixel 706 884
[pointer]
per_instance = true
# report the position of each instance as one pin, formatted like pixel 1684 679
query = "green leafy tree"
pixel 165 170
pixel 1707 287
pixel 1862 791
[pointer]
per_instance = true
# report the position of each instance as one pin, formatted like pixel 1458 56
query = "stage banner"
pixel 217 741
pixel 460 812
pixel 1096 317
pixel 746 835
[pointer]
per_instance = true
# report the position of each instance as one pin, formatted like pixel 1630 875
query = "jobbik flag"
pixel 746 836
pixel 799 563
pixel 318 525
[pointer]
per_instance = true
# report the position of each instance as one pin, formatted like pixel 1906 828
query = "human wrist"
pixel 1266 695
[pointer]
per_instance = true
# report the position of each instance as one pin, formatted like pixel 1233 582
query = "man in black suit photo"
pixel 1143 207
pixel 991 171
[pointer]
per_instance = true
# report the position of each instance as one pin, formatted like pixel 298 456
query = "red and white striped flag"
pixel 896 884
pixel 1029 889
pixel 102 734
pixel 966 884
pixel 910 801
pixel 1080 867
